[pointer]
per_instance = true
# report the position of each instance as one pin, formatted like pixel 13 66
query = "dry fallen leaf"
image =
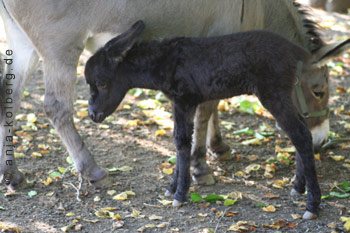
pixel 271 196
pixel 160 132
pixel 239 173
pixel 111 192
pixel 318 157
pixel 337 157
pixel 117 217
pixel 253 158
pixel 120 197
pixel 155 217
pixel 19 155
pixel 278 184
pixel 269 208
pixel 104 214
pixel 82 113
pixel 47 181
pixel 165 202
pixel 296 216
pixel 332 225
pixel 36 155
pixel 133 123
pixel 162 225
pixel 347 222
pixel 168 171
pixel 285 150
pixel 252 142
pixel 252 167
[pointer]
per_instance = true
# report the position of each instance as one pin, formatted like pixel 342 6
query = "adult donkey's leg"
pixel 24 61
pixel 60 76
pixel 202 173
pixel 218 148
pixel 207 134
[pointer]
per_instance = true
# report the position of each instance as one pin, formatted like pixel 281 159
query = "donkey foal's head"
pixel 100 74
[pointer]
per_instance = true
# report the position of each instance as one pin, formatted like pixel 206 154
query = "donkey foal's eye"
pixel 101 87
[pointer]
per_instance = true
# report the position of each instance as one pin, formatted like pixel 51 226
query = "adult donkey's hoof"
pixel 309 216
pixel 225 156
pixel 207 179
pixel 97 177
pixel 222 153
pixel 177 203
pixel 13 180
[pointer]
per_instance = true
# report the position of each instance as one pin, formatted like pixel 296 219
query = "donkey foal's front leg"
pixel 183 119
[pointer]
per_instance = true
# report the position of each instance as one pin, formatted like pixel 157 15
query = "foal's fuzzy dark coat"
pixel 193 70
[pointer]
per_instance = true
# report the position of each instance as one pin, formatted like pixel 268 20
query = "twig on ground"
pixel 223 215
pixel 77 189
pixel 167 228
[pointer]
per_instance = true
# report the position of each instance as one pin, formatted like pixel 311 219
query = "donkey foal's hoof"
pixel 168 193
pixel 294 192
pixel 309 216
pixel 177 203
pixel 207 179
pixel 295 195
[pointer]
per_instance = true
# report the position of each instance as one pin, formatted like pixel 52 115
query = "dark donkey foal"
pixel 194 70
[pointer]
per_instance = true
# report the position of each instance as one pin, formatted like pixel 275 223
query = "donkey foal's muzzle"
pixel 97 117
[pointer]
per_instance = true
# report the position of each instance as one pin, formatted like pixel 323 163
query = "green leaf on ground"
pixel 229 202
pixel 213 198
pixel 172 160
pixel 246 106
pixel 69 160
pixel 261 204
pixel 55 175
pixel 122 169
pixel 243 131
pixel 32 193
pixel 196 197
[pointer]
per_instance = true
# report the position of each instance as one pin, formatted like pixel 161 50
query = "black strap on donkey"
pixel 301 98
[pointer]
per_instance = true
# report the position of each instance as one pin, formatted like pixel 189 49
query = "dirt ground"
pixel 127 141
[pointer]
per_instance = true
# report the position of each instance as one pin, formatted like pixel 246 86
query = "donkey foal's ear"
pixel 119 45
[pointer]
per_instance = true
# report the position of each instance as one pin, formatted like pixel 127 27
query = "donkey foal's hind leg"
pixel 282 109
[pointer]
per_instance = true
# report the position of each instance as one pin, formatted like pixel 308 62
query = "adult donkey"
pixel 58 31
